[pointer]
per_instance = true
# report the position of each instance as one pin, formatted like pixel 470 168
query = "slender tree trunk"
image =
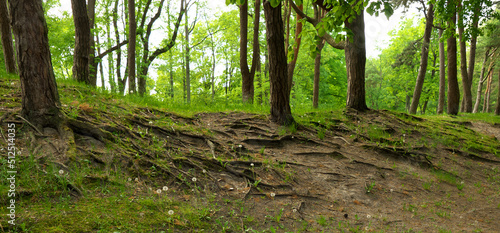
pixel 472 54
pixel 317 71
pixel 187 59
pixel 8 47
pixel 481 81
pixel 296 47
pixel 355 54
pixel 131 47
pixel 280 98
pixel 111 65
pixel 467 98
pixel 453 90
pixel 82 42
pixel 423 60
pixel 93 62
pixel 487 93
pixel 213 70
pixel 101 69
pixel 121 82
pixel 248 75
pixel 442 75
pixel 40 98
pixel 497 109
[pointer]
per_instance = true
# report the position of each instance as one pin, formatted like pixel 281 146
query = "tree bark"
pixel 472 52
pixel 453 90
pixel 481 81
pixel 82 42
pixel 467 98
pixel 93 62
pixel 442 75
pixel 248 75
pixel 280 98
pixel 497 109
pixel 40 98
pixel 317 72
pixel 187 57
pixel 423 60
pixel 355 55
pixel 121 82
pixel 8 47
pixel 131 47
pixel 296 47
pixel 487 93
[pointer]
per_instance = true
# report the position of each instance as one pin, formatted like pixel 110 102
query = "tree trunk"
pixel 40 98
pixel 131 47
pixel 481 81
pixel 472 52
pixel 355 55
pixel 82 42
pixel 247 75
pixel 497 109
pixel 467 99
pixel 453 90
pixel 423 60
pixel 317 66
pixel 93 62
pixel 487 93
pixel 121 82
pixel 296 47
pixel 442 75
pixel 8 47
pixel 280 99
pixel 188 78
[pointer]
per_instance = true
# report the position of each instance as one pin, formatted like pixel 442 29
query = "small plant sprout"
pixel 194 179
pixel 170 212
pixel 61 172
pixel 165 188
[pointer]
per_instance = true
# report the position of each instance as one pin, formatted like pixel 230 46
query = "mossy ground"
pixel 230 170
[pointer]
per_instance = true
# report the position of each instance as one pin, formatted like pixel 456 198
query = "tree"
pixel 423 60
pixel 453 90
pixel 131 47
pixel 280 98
pixel 442 74
pixel 40 98
pixel 247 75
pixel 81 58
pixel 8 48
pixel 497 109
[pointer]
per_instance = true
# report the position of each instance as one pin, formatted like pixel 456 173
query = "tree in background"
pixel 131 47
pixel 5 30
pixel 81 57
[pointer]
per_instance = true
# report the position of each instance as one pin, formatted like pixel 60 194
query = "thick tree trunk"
pixel 317 71
pixel 442 75
pixel 355 55
pixel 131 47
pixel 423 59
pixel 467 97
pixel 453 90
pixel 40 98
pixel 81 54
pixel 8 47
pixel 280 98
pixel 481 81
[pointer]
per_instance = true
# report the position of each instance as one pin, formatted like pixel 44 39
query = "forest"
pixel 252 116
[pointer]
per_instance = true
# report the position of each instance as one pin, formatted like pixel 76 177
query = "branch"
pixel 329 39
pixel 103 54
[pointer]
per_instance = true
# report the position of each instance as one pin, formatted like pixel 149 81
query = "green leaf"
pixel 321 31
pixel 275 3
pixel 298 2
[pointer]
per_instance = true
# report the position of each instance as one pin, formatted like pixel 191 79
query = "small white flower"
pixel 194 179
pixel 129 179
pixel 170 212
pixel 404 135
pixel 204 171
pixel 392 190
pixel 251 165
pixel 240 146
pixel 136 179
pixel 61 172
pixel 150 122
pixel 294 210
pixel 158 191
pixel 273 194
pixel 368 216
pixel 141 214
pixel 165 188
